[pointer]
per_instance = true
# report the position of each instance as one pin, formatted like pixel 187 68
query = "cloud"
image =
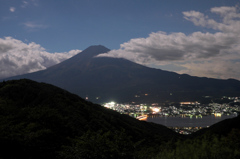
pixel 27 3
pixel 12 9
pixel 24 4
pixel 34 25
pixel 190 51
pixel 230 19
pixel 214 69
pixel 17 57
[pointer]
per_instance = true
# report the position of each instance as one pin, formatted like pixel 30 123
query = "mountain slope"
pixel 221 140
pixel 221 128
pixel 104 79
pixel 38 120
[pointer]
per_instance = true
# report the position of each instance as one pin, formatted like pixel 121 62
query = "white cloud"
pixel 221 49
pixel 12 9
pixel 17 57
pixel 229 24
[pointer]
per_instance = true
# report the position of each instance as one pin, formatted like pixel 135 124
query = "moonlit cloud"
pixel 17 57
pixel 32 26
pixel 207 54
pixel 214 69
pixel 12 9
pixel 27 3
pixel 24 4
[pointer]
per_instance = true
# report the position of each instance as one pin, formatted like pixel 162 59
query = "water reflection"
pixel 204 121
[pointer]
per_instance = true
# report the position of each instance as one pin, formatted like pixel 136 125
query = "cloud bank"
pixel 17 57
pixel 215 54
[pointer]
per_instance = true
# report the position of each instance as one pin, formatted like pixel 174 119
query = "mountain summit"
pixel 102 79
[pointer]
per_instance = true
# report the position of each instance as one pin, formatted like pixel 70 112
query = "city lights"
pixel 191 110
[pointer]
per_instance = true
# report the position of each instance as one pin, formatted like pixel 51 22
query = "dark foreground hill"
pixel 104 79
pixel 38 120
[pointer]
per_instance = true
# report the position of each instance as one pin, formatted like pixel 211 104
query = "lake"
pixel 187 121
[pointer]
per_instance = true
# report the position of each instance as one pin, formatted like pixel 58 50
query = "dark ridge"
pixel 39 120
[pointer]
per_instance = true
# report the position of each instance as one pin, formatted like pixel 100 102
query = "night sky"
pixel 196 37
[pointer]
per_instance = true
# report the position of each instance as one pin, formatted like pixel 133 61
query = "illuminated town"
pixel 182 110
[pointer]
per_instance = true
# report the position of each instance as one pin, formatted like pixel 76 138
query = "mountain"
pixel 103 79
pixel 39 120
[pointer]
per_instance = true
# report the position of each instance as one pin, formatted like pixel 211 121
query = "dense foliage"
pixel 209 145
pixel 38 120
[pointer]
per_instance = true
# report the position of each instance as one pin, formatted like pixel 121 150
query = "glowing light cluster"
pixel 155 109
pixel 109 105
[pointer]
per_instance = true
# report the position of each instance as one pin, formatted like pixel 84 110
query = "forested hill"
pixel 219 141
pixel 221 128
pixel 38 120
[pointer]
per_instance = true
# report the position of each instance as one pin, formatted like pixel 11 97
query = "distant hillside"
pixel 105 79
pixel 221 128
pixel 38 120
pixel 219 141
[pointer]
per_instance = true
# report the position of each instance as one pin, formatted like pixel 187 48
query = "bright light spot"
pixel 217 114
pixel 109 105
pixel 156 110
pixel 112 103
